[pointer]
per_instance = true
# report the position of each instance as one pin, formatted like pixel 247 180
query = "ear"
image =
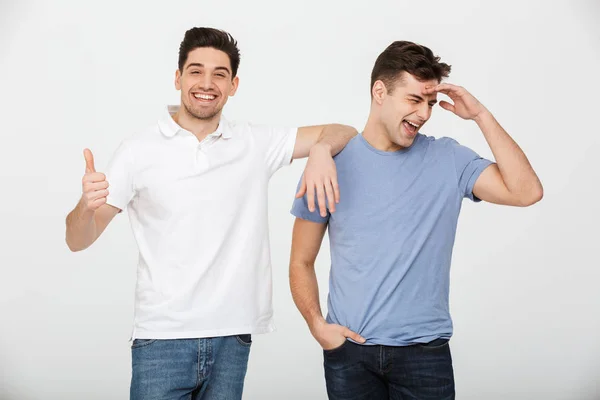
pixel 379 91
pixel 234 86
pixel 178 79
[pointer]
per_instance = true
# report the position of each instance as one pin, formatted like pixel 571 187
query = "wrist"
pixel 84 212
pixel 483 116
pixel 320 147
pixel 316 324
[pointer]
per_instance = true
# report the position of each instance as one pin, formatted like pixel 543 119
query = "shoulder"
pixel 142 136
pixel 442 141
pixel 253 127
pixel 438 145
pixel 238 126
pixel 352 149
pixel 260 132
pixel 139 143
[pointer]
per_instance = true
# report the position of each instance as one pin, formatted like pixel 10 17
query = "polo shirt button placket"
pixel 201 157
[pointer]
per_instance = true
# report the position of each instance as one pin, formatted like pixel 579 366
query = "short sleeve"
pixel 279 143
pixel 300 209
pixel 469 165
pixel 119 175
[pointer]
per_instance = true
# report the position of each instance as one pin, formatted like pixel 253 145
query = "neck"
pixel 377 135
pixel 201 128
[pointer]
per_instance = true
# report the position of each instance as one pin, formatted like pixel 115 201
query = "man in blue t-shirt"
pixel 388 324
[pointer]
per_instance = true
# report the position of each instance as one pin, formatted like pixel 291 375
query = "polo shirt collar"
pixel 170 128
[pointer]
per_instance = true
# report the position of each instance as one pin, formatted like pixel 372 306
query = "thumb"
pixel 354 336
pixel 89 161
pixel 446 106
pixel 302 188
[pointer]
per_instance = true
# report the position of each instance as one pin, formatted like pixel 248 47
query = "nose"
pixel 424 112
pixel 207 82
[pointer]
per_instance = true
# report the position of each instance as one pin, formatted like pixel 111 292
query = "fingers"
pixel 310 196
pixel 445 87
pixel 94 177
pixel 442 87
pixel 94 186
pixel 93 199
pixel 96 204
pixel 89 161
pixel 321 200
pixel 326 192
pixel 302 188
pixel 447 106
pixel 330 196
pixel 353 335
pixel 336 189
pixel 452 91
pixel 95 195
pixel 430 90
pixel 331 336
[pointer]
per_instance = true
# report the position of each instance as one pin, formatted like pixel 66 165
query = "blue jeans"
pixel 422 371
pixel 189 369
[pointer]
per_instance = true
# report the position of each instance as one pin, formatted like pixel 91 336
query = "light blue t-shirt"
pixel 391 237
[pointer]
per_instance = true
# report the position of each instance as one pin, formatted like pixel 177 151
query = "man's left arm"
pixel 511 180
pixel 320 143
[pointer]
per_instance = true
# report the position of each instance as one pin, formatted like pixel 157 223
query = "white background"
pixel 524 287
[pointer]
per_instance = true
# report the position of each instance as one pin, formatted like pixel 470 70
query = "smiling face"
pixel 399 106
pixel 206 81
pixel 404 108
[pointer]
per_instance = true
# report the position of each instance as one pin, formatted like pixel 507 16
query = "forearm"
pixel 305 292
pixel 81 228
pixel 335 137
pixel 518 175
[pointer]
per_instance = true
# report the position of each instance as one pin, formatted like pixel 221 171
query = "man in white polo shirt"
pixel 195 186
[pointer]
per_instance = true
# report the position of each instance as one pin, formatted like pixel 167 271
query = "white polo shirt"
pixel 198 211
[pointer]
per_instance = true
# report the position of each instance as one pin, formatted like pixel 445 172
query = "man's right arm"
pixel 91 215
pixel 306 242
pixel 85 226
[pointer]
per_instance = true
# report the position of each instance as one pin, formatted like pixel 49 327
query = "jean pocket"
pixel 137 343
pixel 336 349
pixel 244 340
pixel 435 344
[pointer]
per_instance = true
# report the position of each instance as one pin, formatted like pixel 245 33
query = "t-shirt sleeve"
pixel 469 165
pixel 278 142
pixel 300 209
pixel 119 174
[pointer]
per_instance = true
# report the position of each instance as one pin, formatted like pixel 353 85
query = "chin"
pixel 405 142
pixel 204 114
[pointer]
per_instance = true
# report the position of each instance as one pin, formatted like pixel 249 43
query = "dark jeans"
pixel 186 369
pixel 422 371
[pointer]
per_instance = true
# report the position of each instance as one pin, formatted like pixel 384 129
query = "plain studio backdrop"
pixel 524 284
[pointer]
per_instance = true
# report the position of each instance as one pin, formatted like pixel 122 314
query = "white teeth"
pixel 415 125
pixel 204 96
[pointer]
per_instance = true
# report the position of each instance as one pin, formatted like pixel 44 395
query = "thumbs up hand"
pixel 95 186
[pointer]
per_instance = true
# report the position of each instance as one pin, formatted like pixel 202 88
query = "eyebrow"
pixel 202 66
pixel 416 96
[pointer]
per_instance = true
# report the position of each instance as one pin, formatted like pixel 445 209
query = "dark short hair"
pixel 210 37
pixel 403 56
